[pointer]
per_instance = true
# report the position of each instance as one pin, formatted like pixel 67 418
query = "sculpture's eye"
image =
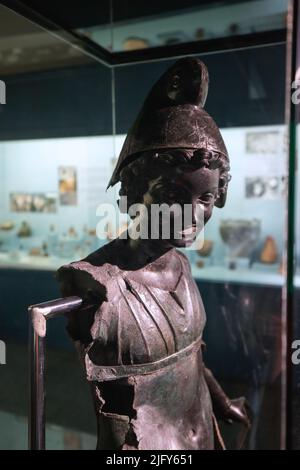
pixel 207 198
pixel 169 193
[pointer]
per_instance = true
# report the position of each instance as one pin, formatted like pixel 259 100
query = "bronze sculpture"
pixel 139 331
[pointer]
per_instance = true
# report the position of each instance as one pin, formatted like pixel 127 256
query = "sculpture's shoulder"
pixel 94 279
pixel 94 275
pixel 183 257
pixel 124 321
pixel 184 261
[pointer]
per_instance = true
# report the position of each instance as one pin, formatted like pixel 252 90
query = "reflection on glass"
pixel 49 205
pixel 139 25
pixel 56 155
pixel 25 47
pixel 296 306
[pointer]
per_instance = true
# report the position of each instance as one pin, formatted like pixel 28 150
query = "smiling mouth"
pixel 188 232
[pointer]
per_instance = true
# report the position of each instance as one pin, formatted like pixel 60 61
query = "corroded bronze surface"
pixel 173 116
pixel 139 331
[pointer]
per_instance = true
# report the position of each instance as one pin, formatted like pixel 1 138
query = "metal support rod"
pixel 39 314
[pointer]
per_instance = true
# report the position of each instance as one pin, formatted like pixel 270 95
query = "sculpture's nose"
pixel 197 213
pixel 194 214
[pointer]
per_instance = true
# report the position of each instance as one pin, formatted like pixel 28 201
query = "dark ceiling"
pixel 84 13
pixel 49 50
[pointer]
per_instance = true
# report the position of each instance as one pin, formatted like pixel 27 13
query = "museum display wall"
pixel 61 224
pixel 58 146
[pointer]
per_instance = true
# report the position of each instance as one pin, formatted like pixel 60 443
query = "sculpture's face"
pixel 194 191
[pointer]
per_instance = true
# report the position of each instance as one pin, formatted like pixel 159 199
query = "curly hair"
pixel 148 166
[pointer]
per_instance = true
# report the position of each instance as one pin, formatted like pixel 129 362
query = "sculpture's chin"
pixel 182 242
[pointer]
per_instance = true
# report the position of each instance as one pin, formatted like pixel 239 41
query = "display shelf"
pixel 24 261
pixel 239 275
pixel 260 275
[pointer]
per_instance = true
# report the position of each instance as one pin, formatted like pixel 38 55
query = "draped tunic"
pixel 141 347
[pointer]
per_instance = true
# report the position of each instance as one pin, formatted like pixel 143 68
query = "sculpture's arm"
pixel 224 408
pixel 80 283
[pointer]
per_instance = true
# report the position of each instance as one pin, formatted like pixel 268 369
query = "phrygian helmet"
pixel 172 116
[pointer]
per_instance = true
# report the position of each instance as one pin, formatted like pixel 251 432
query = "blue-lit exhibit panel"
pixel 49 200
pixel 49 205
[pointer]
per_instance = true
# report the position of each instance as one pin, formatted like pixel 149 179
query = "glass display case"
pixel 56 154
pixel 137 25
pixel 64 123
